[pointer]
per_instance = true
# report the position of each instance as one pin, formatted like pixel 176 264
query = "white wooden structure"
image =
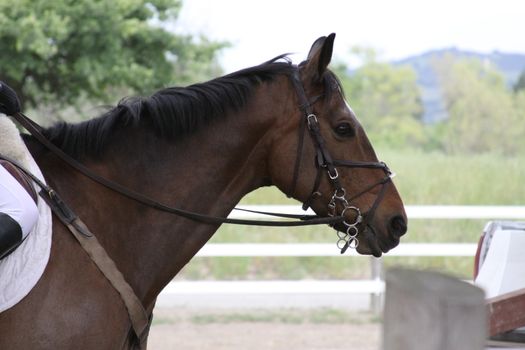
pixel 374 286
pixel 432 311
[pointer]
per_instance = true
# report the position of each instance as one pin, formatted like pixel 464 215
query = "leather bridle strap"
pixel 305 106
pixel 298 157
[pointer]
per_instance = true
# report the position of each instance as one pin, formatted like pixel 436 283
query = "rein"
pixel 302 220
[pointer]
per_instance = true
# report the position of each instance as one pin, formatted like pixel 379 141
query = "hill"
pixel 509 64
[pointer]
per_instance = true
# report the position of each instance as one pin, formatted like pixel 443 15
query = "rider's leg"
pixel 18 212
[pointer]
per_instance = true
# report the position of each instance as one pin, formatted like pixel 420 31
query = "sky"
pixel 259 30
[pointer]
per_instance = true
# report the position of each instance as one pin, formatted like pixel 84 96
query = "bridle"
pixel 324 162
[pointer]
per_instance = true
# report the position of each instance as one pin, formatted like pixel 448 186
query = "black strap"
pixel 375 205
pixel 361 164
pixel 279 215
pixel 59 207
pixel 298 157
pixel 314 193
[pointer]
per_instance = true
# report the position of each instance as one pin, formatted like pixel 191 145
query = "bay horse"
pixel 200 149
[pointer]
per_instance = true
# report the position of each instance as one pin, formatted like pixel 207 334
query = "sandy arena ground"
pixel 181 329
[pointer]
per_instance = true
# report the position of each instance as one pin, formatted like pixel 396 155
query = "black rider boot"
pixel 10 235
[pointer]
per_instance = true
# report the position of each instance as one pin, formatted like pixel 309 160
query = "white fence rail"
pixel 329 249
pixel 373 286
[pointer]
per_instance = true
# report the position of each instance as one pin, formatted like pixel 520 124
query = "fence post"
pixel 432 311
pixel 376 298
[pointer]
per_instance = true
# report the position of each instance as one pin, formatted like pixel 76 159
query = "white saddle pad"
pixel 21 270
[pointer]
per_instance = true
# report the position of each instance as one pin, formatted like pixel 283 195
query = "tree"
pixel 520 84
pixel 385 98
pixel 61 52
pixel 484 114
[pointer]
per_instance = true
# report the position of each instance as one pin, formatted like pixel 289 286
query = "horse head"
pixel 323 158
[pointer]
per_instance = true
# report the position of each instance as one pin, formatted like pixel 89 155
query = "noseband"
pixel 347 238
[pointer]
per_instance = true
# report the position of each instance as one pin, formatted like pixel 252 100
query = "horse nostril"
pixel 398 226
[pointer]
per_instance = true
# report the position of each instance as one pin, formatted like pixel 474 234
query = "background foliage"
pixel 484 113
pixel 79 53
pixel 59 53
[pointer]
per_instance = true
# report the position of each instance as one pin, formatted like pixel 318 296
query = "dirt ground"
pixel 260 329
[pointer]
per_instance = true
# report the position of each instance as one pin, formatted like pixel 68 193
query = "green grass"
pixel 422 178
pixel 435 178
pixel 286 316
pixel 157 321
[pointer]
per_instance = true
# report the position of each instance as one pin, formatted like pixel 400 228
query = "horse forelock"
pixel 171 112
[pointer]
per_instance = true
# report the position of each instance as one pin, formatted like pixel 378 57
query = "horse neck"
pixel 206 172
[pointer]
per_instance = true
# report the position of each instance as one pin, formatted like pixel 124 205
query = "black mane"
pixel 170 112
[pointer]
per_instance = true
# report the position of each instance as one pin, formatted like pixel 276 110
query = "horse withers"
pixel 200 149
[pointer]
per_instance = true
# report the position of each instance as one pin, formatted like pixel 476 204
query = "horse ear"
pixel 319 57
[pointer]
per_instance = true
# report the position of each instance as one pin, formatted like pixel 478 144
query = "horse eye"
pixel 345 130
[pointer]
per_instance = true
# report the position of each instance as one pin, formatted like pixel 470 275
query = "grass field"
pixel 422 178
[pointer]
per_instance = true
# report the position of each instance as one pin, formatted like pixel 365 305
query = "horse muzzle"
pixel 374 241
